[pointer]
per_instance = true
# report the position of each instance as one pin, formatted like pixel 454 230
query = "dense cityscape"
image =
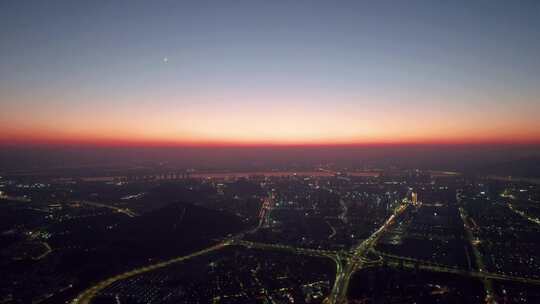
pixel 313 236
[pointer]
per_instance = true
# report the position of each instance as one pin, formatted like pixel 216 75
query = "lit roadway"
pixel 398 261
pixel 297 250
pixel 523 214
pixel 337 256
pixel 86 296
pixel 358 260
pixel 488 285
pixel 48 250
pixel 516 210
pixel 125 211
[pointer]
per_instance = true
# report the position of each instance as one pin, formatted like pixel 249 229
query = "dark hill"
pixel 177 228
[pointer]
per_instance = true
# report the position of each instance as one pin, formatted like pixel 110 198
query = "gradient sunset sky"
pixel 269 72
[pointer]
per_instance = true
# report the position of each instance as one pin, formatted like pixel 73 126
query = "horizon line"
pixel 242 144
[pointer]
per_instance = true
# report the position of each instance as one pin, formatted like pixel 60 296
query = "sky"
pixel 269 72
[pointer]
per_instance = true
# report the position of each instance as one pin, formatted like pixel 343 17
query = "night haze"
pixel 272 152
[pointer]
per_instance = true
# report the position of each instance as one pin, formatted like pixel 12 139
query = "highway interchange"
pixel 347 262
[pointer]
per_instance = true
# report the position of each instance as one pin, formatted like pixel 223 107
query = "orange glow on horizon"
pixel 288 119
pixel 49 140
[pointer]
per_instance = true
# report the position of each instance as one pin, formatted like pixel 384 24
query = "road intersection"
pixel 347 262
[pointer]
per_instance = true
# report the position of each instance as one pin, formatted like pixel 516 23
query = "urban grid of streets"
pixel 347 262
